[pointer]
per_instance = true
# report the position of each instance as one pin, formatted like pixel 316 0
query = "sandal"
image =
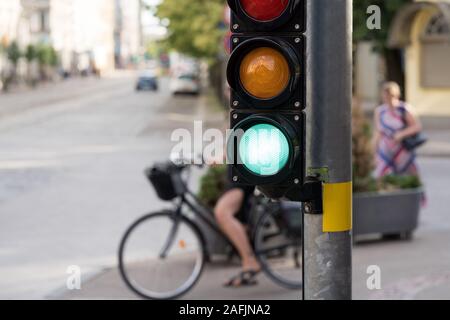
pixel 243 279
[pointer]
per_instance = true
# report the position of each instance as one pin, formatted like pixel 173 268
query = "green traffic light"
pixel 264 150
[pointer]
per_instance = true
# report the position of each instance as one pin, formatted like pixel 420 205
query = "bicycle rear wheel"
pixel 161 256
pixel 279 250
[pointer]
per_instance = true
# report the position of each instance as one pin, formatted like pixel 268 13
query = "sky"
pixel 151 24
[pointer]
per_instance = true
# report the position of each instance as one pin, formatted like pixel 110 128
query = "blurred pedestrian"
pixel 394 122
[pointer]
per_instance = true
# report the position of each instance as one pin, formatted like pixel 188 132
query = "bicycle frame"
pixel 206 215
pixel 191 201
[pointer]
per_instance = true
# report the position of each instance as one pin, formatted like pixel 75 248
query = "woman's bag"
pixel 413 142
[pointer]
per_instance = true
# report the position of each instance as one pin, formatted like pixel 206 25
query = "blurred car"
pixel 185 83
pixel 148 80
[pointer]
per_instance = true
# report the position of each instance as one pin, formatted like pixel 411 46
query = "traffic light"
pixel 266 73
pixel 268 15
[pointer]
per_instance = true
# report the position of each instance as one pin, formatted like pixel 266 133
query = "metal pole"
pixel 328 246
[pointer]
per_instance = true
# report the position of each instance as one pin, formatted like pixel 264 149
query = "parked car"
pixel 185 83
pixel 147 81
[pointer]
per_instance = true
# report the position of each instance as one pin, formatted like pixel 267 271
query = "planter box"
pixel 387 213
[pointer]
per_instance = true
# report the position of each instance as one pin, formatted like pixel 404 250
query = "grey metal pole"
pixel 327 250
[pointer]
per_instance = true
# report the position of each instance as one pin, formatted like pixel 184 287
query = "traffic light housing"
pixel 267 76
pixel 266 151
pixel 268 15
pixel 286 53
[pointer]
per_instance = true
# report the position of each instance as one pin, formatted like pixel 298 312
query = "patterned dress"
pixel 392 157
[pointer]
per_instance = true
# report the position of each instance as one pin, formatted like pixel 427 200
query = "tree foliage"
pixel 194 26
pixel 389 9
pixel 31 53
pixel 13 52
pixel 46 55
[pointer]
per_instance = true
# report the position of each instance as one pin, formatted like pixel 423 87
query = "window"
pixel 45 21
pixel 435 62
pixel 437 27
pixel 40 21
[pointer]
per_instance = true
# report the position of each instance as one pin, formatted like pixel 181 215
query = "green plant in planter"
pixel 393 182
pixel 363 153
pixel 212 185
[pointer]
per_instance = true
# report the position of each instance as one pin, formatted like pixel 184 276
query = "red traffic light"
pixel 267 15
pixel 264 10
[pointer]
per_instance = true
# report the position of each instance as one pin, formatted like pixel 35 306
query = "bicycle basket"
pixel 166 180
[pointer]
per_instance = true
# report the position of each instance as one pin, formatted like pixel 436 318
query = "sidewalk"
pixel 410 270
pixel 438 144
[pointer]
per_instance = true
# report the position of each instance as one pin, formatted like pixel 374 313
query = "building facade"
pixel 82 31
pixel 87 34
pixel 10 11
pixel 128 31
pixel 422 31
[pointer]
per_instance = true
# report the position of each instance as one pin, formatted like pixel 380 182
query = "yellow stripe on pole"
pixel 337 216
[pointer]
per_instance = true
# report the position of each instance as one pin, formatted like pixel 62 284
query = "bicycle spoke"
pixel 166 266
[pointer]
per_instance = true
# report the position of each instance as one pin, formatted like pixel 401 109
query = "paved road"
pixel 71 161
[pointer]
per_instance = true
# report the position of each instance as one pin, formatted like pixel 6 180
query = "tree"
pixel 14 54
pixel 47 57
pixel 392 57
pixel 194 26
pixel 30 55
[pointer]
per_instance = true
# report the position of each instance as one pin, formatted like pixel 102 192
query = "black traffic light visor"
pixel 287 130
pixel 258 25
pixel 243 49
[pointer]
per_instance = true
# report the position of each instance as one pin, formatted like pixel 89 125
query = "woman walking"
pixel 394 123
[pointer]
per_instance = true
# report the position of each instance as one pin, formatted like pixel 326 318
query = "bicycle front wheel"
pixel 161 256
pixel 279 250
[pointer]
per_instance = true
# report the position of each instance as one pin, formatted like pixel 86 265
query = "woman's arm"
pixel 414 127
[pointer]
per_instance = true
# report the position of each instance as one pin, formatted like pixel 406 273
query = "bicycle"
pixel 157 265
